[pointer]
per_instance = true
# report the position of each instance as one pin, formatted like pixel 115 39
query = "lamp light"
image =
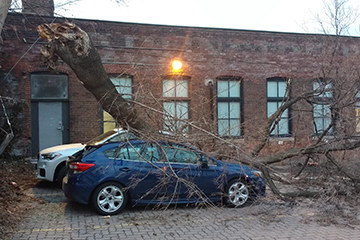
pixel 177 65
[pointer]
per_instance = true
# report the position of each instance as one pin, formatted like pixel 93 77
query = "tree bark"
pixel 75 48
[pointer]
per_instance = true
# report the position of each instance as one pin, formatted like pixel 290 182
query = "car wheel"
pixel 237 193
pixel 109 198
pixel 60 175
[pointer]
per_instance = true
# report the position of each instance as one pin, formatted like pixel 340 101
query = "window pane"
pixel 182 110
pixel 357 114
pixel 234 89
pixel 271 108
pixel 45 86
pixel 223 88
pixel 181 88
pixel 327 122
pixel 282 89
pixel 327 111
pixel 323 88
pixel 173 111
pixel 123 86
pixel 328 93
pixel 318 111
pixel 285 114
pixel 223 110
pixel 235 110
pixel 234 128
pixel 169 109
pixel 169 88
pixel 316 86
pixel 283 126
pixel 109 122
pixel 319 124
pixel 272 89
pixel 223 127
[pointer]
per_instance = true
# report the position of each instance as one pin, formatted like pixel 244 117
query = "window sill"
pixel 281 140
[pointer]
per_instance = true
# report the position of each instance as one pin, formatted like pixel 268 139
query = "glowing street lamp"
pixel 177 65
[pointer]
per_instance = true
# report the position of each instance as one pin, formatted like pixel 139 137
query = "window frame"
pixel 357 112
pixel 229 99
pixel 325 101
pixel 279 99
pixel 170 121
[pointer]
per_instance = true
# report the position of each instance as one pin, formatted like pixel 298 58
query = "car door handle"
pixel 125 169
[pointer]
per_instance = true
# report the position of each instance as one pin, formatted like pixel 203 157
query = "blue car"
pixel 139 172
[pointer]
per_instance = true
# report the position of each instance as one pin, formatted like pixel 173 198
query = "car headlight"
pixel 50 156
pixel 257 173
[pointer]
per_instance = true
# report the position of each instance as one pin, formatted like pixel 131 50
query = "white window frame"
pixel 176 104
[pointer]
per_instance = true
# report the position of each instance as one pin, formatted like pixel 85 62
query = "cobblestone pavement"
pixel 61 219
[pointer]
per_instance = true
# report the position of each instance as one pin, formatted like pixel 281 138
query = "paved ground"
pixel 60 219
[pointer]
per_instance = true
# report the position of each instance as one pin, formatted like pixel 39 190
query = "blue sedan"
pixel 111 175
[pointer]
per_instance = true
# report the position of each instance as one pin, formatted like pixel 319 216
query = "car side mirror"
pixel 205 165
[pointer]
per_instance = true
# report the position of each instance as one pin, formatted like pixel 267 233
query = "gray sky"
pixel 268 15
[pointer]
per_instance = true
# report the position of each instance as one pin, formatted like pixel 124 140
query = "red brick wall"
pixel 146 53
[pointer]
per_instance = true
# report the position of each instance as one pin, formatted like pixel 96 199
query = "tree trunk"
pixel 75 48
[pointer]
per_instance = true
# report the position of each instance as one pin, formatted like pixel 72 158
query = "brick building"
pixel 229 83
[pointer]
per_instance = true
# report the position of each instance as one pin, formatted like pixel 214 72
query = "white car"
pixel 51 161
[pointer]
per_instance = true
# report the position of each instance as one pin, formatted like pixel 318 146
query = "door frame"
pixel 37 97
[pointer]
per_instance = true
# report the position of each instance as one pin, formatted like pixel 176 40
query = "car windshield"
pixel 101 138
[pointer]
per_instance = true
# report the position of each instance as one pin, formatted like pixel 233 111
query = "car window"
pixel 144 152
pixel 179 154
pixel 150 153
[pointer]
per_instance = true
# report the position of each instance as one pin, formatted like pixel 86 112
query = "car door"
pixel 190 180
pixel 135 168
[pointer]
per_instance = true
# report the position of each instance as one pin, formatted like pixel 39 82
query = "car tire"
pixel 60 176
pixel 109 198
pixel 236 193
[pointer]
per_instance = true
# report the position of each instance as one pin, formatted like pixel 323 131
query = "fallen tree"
pixel 73 45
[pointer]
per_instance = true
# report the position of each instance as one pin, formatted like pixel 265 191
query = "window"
pixel 276 93
pixel 176 105
pixel 229 107
pixel 179 154
pixel 357 112
pixel 123 85
pixel 138 152
pixel 321 107
pixel 49 86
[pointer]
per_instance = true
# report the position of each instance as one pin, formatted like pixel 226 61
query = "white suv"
pixel 51 161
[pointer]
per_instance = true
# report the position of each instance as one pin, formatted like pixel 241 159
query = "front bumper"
pixel 46 169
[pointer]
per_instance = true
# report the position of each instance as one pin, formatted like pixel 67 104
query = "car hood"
pixel 64 148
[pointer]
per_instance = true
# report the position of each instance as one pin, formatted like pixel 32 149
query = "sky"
pixel 263 15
